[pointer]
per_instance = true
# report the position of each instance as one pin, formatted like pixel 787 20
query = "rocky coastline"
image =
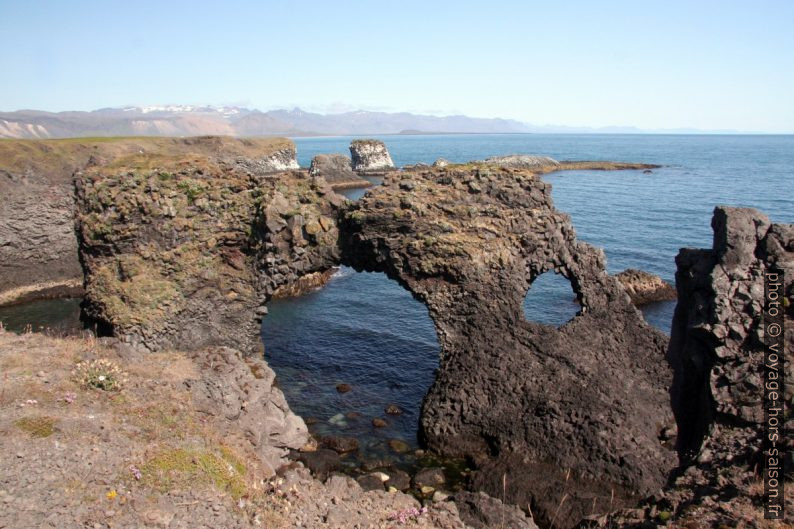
pixel 181 251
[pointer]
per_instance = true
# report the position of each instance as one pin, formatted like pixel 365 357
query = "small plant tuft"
pixel 41 426
pixel 99 374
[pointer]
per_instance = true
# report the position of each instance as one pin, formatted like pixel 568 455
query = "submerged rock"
pixel 432 477
pixel 643 287
pixel 339 444
pixel 369 156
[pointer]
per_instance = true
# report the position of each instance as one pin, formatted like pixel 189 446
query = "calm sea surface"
pixel 366 331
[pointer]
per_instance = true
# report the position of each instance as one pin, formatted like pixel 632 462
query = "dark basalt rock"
pixel 337 169
pixel 339 444
pixel 716 350
pixel 370 482
pixel 586 401
pixel 398 479
pixel 429 477
pixel 321 462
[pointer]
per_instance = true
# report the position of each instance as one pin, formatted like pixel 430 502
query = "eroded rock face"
pixel 240 393
pixel 181 256
pixel 528 402
pixel 716 351
pixel 370 155
pixel 643 287
pixel 337 169
pixel 38 248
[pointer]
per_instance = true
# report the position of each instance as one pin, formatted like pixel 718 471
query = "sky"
pixel 650 64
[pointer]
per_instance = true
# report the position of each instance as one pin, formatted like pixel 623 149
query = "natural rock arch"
pixel 521 399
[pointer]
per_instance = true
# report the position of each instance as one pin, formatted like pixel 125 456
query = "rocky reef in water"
pixel 644 288
pixel 38 254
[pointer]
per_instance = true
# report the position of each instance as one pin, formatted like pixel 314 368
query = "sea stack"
pixel 369 156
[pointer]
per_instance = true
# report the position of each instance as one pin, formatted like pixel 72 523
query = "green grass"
pixel 180 468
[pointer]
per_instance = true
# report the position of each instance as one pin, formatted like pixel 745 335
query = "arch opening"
pixel 551 300
pixel 367 332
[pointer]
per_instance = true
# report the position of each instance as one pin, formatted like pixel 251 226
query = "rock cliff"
pixel 566 420
pixel 38 250
pixel 369 156
pixel 180 255
pixel 717 353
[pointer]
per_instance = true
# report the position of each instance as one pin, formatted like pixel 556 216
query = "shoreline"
pixel 59 289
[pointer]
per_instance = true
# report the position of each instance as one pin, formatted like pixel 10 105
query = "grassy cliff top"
pixel 57 159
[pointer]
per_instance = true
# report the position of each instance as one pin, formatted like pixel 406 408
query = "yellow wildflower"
pixel 111 495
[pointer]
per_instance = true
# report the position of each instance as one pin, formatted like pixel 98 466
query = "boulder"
pixel 340 444
pixel 480 511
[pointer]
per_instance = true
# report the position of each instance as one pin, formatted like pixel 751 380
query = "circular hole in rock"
pixel 550 300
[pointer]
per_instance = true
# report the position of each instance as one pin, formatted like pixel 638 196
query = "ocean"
pixel 365 330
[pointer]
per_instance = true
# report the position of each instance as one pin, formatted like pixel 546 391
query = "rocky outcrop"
pixel 521 161
pixel 337 169
pixel 644 288
pixel 181 255
pixel 38 249
pixel 240 392
pixel 717 353
pixel 370 156
pixel 580 407
pixel 481 511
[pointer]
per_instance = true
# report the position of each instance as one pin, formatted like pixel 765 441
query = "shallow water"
pixel 57 316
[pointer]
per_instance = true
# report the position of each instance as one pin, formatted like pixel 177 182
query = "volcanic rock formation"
pixel 572 413
pixel 370 156
pixel 337 169
pixel 181 255
pixel 38 249
pixel 717 353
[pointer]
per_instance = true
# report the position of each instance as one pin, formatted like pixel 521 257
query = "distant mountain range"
pixel 187 120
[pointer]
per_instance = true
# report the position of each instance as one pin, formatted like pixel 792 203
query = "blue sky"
pixel 651 64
